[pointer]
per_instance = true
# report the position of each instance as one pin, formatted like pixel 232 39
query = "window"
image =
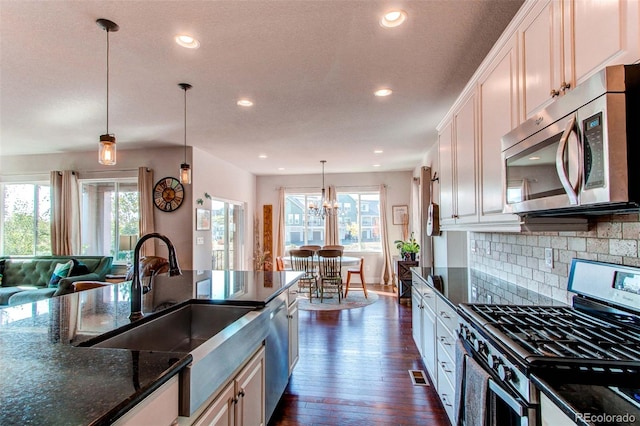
pixel 109 210
pixel 26 219
pixel 227 228
pixel 359 230
pixel 358 227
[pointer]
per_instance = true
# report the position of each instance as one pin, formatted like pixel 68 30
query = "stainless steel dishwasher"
pixel 277 354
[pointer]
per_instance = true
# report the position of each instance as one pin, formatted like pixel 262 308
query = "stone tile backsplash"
pixel 520 258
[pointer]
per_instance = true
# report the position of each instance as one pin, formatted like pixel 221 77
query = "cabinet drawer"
pixel 446 364
pixel 429 297
pixel 447 396
pixel 447 315
pixel 446 339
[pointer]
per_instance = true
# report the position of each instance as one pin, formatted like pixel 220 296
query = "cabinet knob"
pixel 554 93
pixel 565 86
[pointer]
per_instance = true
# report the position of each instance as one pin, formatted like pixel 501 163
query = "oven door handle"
pixel 574 161
pixel 516 404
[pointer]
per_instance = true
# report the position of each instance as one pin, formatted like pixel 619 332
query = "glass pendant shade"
pixel 185 174
pixel 107 150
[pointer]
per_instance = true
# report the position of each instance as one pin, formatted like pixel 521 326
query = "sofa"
pixel 26 279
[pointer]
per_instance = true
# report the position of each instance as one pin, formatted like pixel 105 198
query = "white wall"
pixel 399 187
pixel 219 179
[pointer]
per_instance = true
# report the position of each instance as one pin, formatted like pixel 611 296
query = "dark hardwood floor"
pixel 353 370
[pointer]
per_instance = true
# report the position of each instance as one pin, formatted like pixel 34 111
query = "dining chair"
pixel 334 247
pixel 330 273
pixel 279 263
pixel 356 271
pixel 312 247
pixel 302 261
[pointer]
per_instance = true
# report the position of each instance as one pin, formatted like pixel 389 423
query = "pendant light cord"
pixel 185 125
pixel 107 81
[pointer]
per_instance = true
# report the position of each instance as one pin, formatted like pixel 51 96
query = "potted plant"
pixel 409 248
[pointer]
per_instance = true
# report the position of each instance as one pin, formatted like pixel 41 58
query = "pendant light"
pixel 185 169
pixel 325 207
pixel 107 147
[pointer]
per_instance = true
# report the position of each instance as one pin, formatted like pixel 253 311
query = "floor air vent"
pixel 418 378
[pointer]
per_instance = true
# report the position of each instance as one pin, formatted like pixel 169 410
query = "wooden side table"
pixel 403 273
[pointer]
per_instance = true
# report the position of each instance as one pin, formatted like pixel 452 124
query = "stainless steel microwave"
pixel 581 155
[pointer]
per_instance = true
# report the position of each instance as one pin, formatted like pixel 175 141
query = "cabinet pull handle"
pixel 445 400
pixel 444 367
pixel 444 341
pixel 241 393
pixel 443 314
pixel 554 93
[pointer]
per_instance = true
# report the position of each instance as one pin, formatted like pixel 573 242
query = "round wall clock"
pixel 168 194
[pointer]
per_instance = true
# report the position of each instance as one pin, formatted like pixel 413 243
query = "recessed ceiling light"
pixel 376 165
pixel 378 151
pixel 393 18
pixel 383 92
pixel 187 41
pixel 534 158
pixel 262 156
pixel 281 168
pixel 244 103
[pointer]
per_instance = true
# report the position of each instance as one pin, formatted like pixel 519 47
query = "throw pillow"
pixel 62 270
pixel 79 268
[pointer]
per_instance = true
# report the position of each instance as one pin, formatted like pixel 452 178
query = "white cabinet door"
pixel 294 344
pixel 250 393
pixel 429 341
pixel 498 99
pixel 221 411
pixel 541 56
pixel 445 150
pixel 465 162
pixel 159 408
pixel 599 33
pixel 416 318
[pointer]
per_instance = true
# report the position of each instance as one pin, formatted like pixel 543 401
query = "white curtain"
pixel 279 249
pixel 387 267
pixel 331 222
pixel 65 213
pixel 147 224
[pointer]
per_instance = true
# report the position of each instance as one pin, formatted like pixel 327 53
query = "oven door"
pixel 543 171
pixel 506 409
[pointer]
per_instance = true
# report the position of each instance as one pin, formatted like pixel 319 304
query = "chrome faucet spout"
pixel 136 285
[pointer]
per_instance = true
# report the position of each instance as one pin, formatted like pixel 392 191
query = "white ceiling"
pixel 310 66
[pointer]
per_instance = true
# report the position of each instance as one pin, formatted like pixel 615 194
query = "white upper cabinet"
pixel 498 99
pixel 563 42
pixel 457 150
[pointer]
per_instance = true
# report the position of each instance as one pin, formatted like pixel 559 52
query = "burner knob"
pixel 504 372
pixel 479 346
pixel 493 362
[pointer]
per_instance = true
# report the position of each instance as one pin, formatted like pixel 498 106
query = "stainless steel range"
pixel 596 341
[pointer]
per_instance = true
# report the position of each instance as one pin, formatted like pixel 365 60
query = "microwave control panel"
pixel 593 136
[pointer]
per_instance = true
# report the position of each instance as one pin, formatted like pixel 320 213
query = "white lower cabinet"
pixel 551 415
pixel 435 324
pixel 242 400
pixel 159 408
pixel 294 344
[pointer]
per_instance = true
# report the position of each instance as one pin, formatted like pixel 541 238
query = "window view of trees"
pixel 26 225
pixel 358 221
pixel 109 210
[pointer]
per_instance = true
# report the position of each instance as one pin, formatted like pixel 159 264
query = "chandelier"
pixel 325 207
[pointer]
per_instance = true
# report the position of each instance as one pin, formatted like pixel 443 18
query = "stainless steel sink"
pixel 182 330
pixel 218 337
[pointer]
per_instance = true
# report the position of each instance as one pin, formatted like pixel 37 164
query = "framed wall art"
pixel 400 214
pixel 203 219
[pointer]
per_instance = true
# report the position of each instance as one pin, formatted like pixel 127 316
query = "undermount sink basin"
pixel 182 330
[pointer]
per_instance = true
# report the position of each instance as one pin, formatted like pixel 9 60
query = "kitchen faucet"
pixel 136 285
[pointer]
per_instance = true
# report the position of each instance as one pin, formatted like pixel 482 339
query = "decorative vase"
pixel 413 256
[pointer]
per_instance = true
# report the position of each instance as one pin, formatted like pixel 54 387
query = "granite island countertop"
pixel 47 379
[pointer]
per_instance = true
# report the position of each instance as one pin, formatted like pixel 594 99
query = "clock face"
pixel 168 194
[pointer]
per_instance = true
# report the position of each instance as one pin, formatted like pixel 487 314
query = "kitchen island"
pixel 47 378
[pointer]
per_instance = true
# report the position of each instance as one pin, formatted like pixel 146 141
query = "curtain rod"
pixel 360 187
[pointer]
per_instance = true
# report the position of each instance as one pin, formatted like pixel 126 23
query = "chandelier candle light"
pixel 325 207
pixel 185 169
pixel 107 147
